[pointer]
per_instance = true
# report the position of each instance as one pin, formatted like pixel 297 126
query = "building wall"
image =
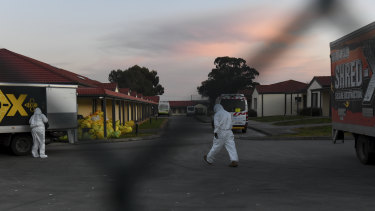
pixel 274 104
pixel 326 103
pixel 133 111
pixel 257 103
pixel 314 85
pixel 292 106
pixel 84 106
pixel 323 98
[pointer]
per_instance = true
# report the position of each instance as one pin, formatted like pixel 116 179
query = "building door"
pixel 314 100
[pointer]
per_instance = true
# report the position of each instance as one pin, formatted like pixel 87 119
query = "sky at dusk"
pixel 180 39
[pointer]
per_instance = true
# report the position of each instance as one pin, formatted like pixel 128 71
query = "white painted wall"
pixel 314 85
pixel 256 100
pixel 325 103
pixel 273 104
pixel 292 108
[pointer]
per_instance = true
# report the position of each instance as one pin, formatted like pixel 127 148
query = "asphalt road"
pixel 169 173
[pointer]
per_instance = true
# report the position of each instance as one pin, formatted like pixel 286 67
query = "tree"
pixel 139 79
pixel 229 76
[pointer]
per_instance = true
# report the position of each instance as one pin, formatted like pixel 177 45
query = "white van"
pixel 164 108
pixel 236 105
pixel 190 110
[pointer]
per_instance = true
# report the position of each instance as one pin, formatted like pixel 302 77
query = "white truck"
pixel 18 102
pixel 236 105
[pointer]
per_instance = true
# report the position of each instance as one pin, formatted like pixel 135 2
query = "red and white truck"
pixel 353 90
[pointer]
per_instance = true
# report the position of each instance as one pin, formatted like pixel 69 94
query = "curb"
pixel 259 131
pixel 290 138
pixel 101 141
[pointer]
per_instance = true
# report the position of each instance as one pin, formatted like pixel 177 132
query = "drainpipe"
pixel 114 114
pixel 291 104
pixel 284 104
pixel 262 105
pixel 104 106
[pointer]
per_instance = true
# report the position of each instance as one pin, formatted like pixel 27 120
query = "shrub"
pixel 311 112
pixel 252 113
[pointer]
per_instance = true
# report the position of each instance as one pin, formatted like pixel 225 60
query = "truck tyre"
pixel 244 130
pixel 363 150
pixel 21 144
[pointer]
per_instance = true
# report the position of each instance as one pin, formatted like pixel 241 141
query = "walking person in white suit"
pixel 223 136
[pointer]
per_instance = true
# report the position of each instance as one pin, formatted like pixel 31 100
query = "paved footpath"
pixel 270 129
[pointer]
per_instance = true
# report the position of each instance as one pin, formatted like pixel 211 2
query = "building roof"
pixel 124 90
pixel 99 91
pixel 181 103
pixel 324 81
pixel 153 98
pixel 109 86
pixel 290 86
pixel 133 93
pixel 247 92
pixel 16 68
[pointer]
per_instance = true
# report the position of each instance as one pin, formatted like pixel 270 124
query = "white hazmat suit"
pixel 225 137
pixel 37 121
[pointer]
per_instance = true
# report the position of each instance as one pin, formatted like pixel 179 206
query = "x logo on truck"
pixel 10 103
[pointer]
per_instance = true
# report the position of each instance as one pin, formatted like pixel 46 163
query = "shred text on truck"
pixel 17 105
pixel 236 105
pixel 353 89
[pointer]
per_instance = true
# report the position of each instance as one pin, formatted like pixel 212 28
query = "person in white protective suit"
pixel 37 121
pixel 223 136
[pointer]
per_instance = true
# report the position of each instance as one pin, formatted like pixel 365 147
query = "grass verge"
pixel 311 131
pixel 155 124
pixel 277 118
pixel 147 128
pixel 305 121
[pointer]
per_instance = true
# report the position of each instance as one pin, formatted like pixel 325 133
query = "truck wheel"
pixel 21 144
pixel 363 150
pixel 244 130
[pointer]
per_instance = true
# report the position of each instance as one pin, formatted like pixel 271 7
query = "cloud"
pixel 165 36
pixel 175 45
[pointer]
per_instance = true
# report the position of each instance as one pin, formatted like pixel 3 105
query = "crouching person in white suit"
pixel 223 136
pixel 37 121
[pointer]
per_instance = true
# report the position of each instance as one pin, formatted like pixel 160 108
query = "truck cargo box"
pixel 18 102
pixel 353 88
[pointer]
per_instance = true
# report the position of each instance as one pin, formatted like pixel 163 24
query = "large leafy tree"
pixel 139 79
pixel 230 75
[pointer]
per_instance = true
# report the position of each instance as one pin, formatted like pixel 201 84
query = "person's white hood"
pixel 218 108
pixel 38 118
pixel 37 111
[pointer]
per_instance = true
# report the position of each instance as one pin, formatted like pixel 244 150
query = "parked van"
pixel 190 110
pixel 164 108
pixel 236 105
